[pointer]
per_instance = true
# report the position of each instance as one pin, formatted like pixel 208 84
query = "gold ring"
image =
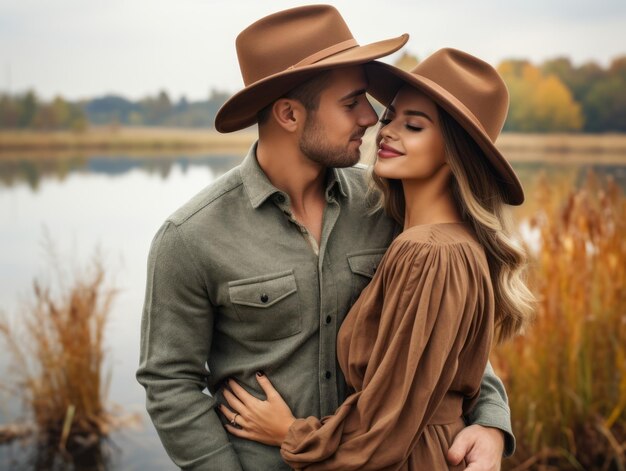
pixel 232 422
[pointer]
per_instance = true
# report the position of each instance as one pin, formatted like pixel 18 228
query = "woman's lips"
pixel 388 152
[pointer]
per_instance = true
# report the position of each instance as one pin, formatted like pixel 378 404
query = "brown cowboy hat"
pixel 281 51
pixel 469 89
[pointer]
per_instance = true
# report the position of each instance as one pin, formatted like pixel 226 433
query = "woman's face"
pixel 410 143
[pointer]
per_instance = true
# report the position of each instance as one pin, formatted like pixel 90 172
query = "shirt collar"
pixel 257 185
pixel 336 178
pixel 259 188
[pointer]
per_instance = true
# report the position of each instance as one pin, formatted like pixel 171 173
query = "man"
pixel 259 269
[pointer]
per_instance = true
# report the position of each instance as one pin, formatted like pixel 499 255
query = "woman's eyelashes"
pixel 411 127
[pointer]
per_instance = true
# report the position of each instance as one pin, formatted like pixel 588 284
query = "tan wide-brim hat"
pixel 283 50
pixel 469 89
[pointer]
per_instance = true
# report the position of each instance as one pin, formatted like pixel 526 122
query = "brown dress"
pixel 413 349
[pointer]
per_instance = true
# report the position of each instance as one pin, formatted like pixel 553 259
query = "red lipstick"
pixel 388 152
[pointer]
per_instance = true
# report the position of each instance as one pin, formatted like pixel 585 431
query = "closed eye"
pixel 413 128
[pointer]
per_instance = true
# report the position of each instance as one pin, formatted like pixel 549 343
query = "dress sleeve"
pixel 419 313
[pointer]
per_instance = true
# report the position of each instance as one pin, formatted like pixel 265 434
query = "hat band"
pixel 324 53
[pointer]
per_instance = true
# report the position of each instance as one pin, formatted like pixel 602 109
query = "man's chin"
pixel 349 160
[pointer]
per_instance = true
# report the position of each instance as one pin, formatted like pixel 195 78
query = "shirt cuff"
pixel 498 417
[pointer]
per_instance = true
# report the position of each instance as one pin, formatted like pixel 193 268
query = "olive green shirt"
pixel 235 285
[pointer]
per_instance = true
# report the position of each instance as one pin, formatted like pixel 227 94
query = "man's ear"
pixel 289 114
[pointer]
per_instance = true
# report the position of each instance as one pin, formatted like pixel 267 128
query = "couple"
pixel 338 326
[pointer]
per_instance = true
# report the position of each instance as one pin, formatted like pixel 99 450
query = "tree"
pixel 61 112
pixel 578 79
pixel 28 109
pixel 605 105
pixel 539 103
pixel 9 112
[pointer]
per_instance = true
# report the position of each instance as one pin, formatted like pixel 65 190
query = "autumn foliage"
pixel 539 102
pixel 566 377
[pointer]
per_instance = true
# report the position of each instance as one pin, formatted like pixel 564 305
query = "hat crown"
pixel 277 42
pixel 471 81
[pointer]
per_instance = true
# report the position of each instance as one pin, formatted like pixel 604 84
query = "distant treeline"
pixel 554 96
pixel 557 96
pixel 29 112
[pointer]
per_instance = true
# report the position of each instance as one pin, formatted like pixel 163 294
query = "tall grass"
pixel 58 354
pixel 566 377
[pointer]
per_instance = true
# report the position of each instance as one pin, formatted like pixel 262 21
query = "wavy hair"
pixel 480 200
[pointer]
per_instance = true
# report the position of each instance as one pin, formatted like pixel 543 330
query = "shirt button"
pixel 264 298
pixel 328 375
pixel 280 198
pixel 328 319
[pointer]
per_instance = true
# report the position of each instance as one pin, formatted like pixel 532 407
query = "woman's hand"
pixel 262 421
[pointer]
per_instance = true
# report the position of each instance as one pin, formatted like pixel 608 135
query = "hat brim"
pixel 385 81
pixel 240 111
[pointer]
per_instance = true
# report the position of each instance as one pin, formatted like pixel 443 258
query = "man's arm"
pixel 176 334
pixel 492 409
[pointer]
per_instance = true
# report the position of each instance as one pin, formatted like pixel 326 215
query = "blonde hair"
pixel 481 202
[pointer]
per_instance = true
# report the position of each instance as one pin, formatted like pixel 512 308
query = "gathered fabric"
pixel 413 349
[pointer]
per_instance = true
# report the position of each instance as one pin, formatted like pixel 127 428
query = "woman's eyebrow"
pixel 418 113
pixel 392 109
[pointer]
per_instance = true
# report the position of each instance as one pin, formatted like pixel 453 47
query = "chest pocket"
pixel 363 265
pixel 268 306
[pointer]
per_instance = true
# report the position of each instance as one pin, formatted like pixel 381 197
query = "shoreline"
pixel 147 142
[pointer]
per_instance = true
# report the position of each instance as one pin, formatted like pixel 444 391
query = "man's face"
pixel 332 133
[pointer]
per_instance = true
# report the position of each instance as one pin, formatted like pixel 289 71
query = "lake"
pixel 116 204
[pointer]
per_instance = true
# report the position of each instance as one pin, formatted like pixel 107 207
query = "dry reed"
pixel 566 377
pixel 58 354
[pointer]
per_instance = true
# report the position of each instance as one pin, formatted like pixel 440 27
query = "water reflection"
pixel 99 456
pixel 32 170
pixel 118 205
pixel 574 173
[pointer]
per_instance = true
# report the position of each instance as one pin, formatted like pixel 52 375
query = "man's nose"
pixel 368 117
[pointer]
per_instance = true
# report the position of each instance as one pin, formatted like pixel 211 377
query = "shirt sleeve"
pixel 176 332
pixel 427 313
pixel 492 409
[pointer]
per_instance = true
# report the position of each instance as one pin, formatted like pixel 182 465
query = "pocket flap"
pixel 365 263
pixel 262 291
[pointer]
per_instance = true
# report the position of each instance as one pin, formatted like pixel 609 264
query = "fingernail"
pixel 260 373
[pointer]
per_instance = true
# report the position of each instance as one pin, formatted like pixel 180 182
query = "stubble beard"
pixel 316 147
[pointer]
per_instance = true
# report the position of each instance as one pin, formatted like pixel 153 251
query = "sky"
pixel 134 48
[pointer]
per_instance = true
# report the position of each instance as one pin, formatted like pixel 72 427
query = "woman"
pixel 414 346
